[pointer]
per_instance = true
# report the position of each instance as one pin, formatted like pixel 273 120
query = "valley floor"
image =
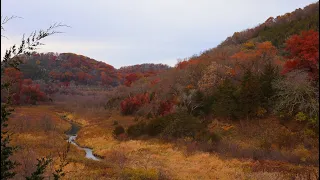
pixel 40 131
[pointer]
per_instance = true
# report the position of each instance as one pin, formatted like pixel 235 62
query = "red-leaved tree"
pixel 166 107
pixel 23 91
pixel 131 104
pixel 129 79
pixel 304 53
pixel 30 93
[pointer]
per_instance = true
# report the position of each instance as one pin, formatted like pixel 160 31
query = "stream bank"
pixel 72 135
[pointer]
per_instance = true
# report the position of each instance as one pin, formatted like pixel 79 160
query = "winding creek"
pixel 72 135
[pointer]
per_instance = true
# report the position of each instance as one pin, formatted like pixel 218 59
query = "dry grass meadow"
pixel 39 130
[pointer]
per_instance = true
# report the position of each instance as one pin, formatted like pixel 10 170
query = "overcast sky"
pixel 128 32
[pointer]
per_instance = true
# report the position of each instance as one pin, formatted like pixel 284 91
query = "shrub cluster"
pixel 136 129
pixel 131 104
pixel 118 130
pixel 177 125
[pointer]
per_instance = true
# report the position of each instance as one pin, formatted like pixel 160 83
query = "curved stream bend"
pixel 72 134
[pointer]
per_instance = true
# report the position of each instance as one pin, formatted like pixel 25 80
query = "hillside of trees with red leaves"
pixel 65 68
pixel 272 69
pixel 53 71
pixel 130 74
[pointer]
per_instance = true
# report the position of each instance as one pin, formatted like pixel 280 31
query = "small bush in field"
pixel 137 130
pixel 261 112
pixel 283 116
pixel 310 132
pixel 157 126
pixel 301 117
pixel 302 152
pixel 140 174
pixel 181 124
pixel 312 122
pixel 118 130
pixel 215 137
pixel 115 123
pixel 209 137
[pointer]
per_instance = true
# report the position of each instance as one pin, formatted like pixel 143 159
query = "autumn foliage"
pixel 304 53
pixel 166 107
pixel 23 91
pixel 185 63
pixel 30 93
pixel 131 104
pixel 255 56
pixel 82 70
pixel 129 79
pixel 67 67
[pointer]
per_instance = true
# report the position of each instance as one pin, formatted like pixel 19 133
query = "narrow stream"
pixel 72 135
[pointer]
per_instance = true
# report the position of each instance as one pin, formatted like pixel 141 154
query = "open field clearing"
pixel 159 158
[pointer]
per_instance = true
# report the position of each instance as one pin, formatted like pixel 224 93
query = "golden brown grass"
pixel 35 142
pixel 165 157
pixel 151 154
